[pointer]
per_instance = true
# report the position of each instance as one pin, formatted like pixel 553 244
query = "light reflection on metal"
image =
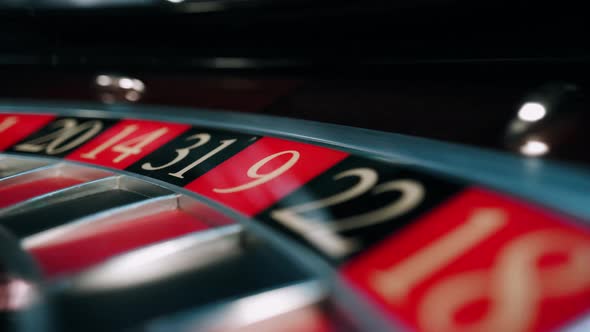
pixel 270 304
pixel 132 96
pixel 294 307
pixel 138 85
pixel 16 294
pixel 104 80
pixel 96 222
pixel 534 148
pixel 162 260
pixel 546 121
pixel 532 112
pixel 125 83
pixel 116 88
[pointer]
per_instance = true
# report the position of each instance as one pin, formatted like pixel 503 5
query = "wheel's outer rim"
pixel 558 186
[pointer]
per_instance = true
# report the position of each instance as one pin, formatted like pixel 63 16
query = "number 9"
pixel 263 178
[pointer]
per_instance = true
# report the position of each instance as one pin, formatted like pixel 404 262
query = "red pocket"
pixel 263 173
pixel 15 127
pixel 127 142
pixel 482 262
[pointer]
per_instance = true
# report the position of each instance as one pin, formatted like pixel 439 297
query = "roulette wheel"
pixel 270 192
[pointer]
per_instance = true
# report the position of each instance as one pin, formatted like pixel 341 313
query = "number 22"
pixel 323 233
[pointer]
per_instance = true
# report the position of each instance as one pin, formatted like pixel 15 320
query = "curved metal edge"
pixel 300 254
pixel 18 266
pixel 560 186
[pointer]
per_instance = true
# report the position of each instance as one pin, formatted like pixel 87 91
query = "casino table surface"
pixel 198 174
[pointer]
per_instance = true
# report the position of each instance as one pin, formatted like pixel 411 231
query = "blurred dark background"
pixel 451 70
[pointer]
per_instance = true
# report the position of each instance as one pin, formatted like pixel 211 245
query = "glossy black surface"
pixel 433 191
pixel 52 215
pixel 224 274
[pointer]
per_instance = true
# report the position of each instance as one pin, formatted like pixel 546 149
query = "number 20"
pixel 57 142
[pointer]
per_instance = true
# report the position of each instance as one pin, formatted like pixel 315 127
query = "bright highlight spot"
pixel 138 85
pixel 534 148
pixel 103 80
pixel 532 112
pixel 126 83
pixel 16 294
pixel 132 96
